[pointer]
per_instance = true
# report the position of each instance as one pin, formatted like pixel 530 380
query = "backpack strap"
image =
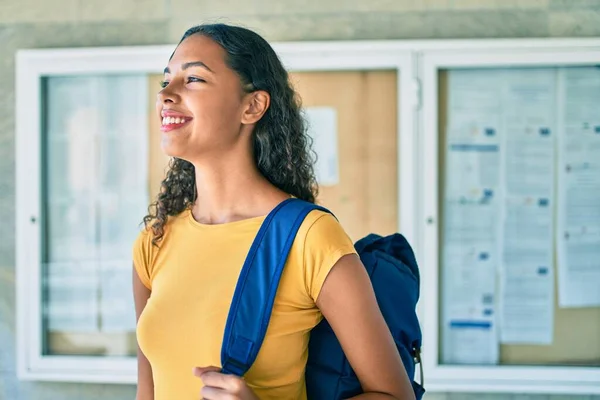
pixel 257 285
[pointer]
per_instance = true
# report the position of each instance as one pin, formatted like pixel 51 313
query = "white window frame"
pixel 34 65
pixel 498 378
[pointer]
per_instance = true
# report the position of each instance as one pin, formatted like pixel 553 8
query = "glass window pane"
pixel 95 193
pixel 520 204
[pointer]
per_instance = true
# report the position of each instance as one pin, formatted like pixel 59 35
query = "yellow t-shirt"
pixel 192 276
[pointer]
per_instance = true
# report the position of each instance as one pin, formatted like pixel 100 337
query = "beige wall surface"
pixel 78 23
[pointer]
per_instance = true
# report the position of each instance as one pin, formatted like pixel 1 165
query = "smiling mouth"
pixel 172 123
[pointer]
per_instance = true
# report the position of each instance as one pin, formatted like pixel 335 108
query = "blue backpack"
pixel 391 265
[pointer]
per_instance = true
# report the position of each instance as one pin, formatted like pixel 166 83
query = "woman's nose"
pixel 167 95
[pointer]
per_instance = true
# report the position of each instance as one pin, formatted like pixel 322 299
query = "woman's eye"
pixel 163 84
pixel 195 79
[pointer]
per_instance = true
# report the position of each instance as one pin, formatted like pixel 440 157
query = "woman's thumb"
pixel 198 371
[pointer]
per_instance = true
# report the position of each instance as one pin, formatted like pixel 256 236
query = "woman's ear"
pixel 257 105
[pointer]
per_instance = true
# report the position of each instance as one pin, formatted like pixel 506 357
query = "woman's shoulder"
pixel 148 243
pixel 323 242
pixel 150 227
pixel 319 227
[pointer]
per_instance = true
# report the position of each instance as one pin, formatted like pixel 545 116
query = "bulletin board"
pixel 576 331
pixel 364 197
pixel 92 344
pixel 82 299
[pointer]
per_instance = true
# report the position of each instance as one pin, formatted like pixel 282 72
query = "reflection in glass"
pixel 511 141
pixel 95 170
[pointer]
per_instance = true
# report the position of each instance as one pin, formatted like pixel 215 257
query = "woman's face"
pixel 202 104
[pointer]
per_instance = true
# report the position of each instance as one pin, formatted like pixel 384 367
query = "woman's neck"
pixel 230 192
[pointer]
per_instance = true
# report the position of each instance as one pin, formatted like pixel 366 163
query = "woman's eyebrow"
pixel 189 65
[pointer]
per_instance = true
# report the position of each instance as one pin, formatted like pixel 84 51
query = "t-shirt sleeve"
pixel 326 242
pixel 142 257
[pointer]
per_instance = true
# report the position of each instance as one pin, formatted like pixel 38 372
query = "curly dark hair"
pixel 281 145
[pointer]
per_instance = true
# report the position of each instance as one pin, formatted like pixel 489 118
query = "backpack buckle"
pixel 417 351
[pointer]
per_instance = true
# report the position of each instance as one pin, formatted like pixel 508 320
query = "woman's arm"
pixel 348 302
pixel 145 386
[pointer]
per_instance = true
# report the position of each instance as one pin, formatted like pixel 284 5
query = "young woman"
pixel 231 123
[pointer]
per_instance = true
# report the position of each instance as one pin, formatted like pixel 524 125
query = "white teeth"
pixel 172 120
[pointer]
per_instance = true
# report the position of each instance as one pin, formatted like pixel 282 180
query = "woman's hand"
pixel 218 386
